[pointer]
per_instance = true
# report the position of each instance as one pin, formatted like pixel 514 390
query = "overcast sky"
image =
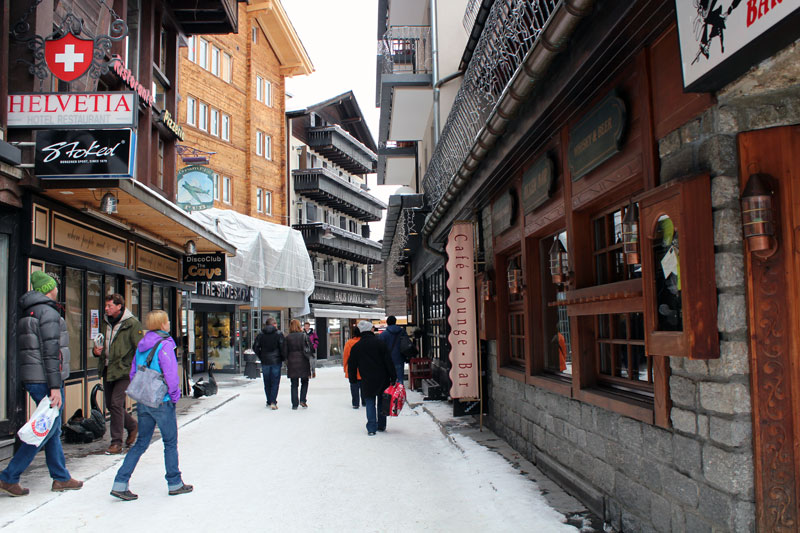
pixel 340 37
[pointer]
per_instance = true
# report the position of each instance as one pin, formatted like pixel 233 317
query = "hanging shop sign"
pixel 69 57
pixel 504 211
pixel 74 110
pixel 463 336
pixel 597 137
pixel 204 267
pixel 537 184
pixel 146 95
pixel 156 264
pixel 171 125
pixel 85 153
pixel 722 41
pixel 224 290
pixel 195 188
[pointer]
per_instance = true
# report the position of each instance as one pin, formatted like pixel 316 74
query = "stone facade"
pixel 698 476
pixel 237 158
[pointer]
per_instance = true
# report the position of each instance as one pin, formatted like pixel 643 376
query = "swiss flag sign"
pixel 68 58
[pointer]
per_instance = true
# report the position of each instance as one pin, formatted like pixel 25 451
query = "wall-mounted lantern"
pixel 108 204
pixel 487 290
pixel 559 262
pixel 758 222
pixel 514 271
pixel 630 235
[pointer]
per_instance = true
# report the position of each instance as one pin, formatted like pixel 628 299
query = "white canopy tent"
pixel 269 256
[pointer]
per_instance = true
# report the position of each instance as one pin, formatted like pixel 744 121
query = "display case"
pixel 677 251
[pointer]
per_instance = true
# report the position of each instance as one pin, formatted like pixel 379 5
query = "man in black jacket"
pixel 43 343
pixel 370 358
pixel 270 349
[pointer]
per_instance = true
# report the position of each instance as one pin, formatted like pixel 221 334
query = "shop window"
pixel 94 314
pixel 73 315
pixel 134 305
pixel 435 316
pixel 111 283
pixel 557 352
pixel 167 302
pixel 146 298
pixel 678 266
pixel 4 267
pixel 608 255
pixel 158 297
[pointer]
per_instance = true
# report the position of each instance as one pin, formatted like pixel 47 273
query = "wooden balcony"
pixel 334 241
pixel 335 144
pixel 203 17
pixel 325 187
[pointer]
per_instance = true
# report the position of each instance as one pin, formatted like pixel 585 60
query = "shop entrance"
pixel 773 293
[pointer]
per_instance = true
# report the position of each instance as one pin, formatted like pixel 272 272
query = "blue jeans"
pixel 400 369
pixel 375 420
pixel 355 390
pixel 272 378
pixel 149 417
pixel 54 454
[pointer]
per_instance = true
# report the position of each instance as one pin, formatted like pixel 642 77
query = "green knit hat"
pixel 42 282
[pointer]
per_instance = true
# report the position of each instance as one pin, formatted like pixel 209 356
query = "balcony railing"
pixel 206 16
pixel 324 186
pixel 340 147
pixel 511 30
pixel 471 13
pixel 334 241
pixel 406 50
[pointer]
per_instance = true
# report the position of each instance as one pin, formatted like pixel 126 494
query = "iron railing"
pixel 470 14
pixel 406 50
pixel 511 29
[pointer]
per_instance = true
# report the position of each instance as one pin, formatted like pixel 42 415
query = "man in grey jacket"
pixel 43 343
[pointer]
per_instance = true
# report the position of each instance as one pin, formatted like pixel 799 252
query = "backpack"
pixel 406 348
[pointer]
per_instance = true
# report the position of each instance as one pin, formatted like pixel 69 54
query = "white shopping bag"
pixel 41 422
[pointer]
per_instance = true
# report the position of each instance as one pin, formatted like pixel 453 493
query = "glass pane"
pixel 605 358
pixel 599 234
pixel 111 284
pixel 620 329
pixel 636 321
pixel 199 343
pixel 639 361
pixel 620 267
pixel 667 276
pixel 617 217
pixel 603 327
pixel 74 317
pixel 145 296
pixel 621 352
pixel 133 305
pixel 94 313
pixel 220 347
pixel 4 260
pixel 601 269
pixel 157 298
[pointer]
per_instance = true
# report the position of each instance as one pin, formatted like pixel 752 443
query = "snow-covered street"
pixel 255 469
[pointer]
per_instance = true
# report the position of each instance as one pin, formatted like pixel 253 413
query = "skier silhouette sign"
pixel 69 57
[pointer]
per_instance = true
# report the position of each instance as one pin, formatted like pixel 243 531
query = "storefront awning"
pixel 268 256
pixel 341 311
pixel 139 208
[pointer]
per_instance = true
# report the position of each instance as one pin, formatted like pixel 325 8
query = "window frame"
pixel 216 186
pixel 191 52
pixel 202 53
pixel 202 116
pixel 215 60
pixel 267 92
pixel 259 200
pixel 268 147
pixel 259 88
pixel 191 111
pixel 267 202
pixel 259 143
pixel 227 61
pixel 225 127
pixel 226 190
pixel 213 123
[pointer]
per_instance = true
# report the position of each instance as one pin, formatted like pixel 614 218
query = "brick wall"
pixel 237 159
pixel 697 476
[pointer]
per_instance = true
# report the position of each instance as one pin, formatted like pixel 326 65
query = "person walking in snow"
pixel 123 333
pixel 393 337
pixel 355 388
pixel 300 363
pixel 369 357
pixel 270 349
pixel 43 343
pixel 313 338
pixel 163 416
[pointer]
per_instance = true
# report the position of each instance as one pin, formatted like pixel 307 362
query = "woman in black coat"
pixel 299 362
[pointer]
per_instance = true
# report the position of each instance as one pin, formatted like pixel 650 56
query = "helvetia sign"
pixel 75 110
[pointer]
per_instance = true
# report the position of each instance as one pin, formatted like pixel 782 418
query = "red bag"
pixel 394 397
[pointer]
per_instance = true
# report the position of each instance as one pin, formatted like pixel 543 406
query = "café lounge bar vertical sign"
pixel 463 336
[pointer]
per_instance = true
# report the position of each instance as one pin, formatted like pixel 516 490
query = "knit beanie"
pixel 42 282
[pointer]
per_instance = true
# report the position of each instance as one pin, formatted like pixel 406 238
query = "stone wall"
pixel 697 476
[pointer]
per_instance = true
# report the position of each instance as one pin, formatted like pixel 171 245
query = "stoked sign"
pixel 77 110
pixel 85 154
pixel 69 57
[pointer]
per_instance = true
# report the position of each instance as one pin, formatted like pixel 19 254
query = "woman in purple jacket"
pixel 157 324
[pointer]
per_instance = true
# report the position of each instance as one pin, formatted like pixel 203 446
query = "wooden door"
pixel 773 299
